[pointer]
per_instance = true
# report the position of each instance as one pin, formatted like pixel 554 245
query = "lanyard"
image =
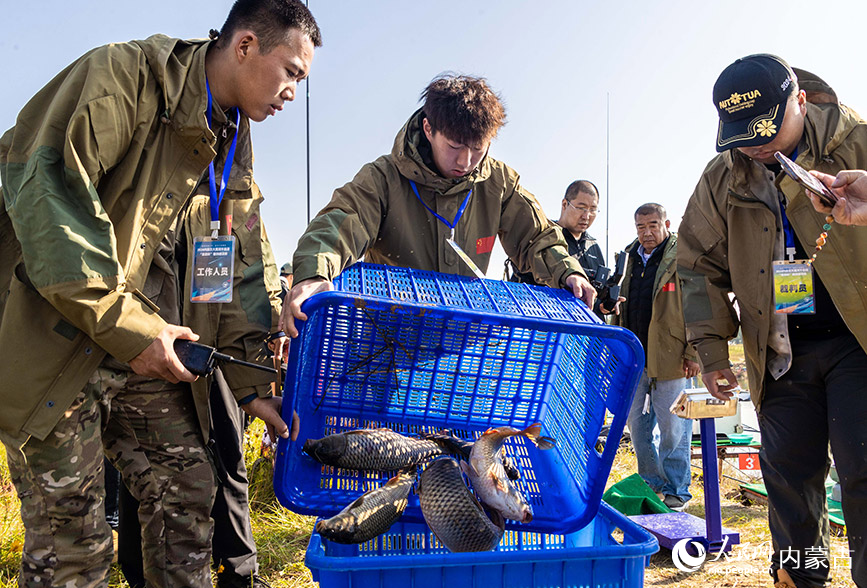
pixel 788 231
pixel 216 191
pixel 458 216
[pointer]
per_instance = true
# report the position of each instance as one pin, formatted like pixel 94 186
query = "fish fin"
pixel 474 468
pixel 497 482
pixel 546 443
pixel 356 503
pixel 407 471
pixel 534 434
pixel 496 517
pixel 449 443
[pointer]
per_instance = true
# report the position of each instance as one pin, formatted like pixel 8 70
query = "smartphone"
pixel 800 175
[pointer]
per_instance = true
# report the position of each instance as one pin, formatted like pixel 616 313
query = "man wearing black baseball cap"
pixel 801 301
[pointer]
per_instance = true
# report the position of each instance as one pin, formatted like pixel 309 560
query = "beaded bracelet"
pixel 823 238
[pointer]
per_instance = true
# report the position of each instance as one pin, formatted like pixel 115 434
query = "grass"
pixel 281 536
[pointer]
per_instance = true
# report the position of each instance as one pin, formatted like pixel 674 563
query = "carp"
pixel 489 478
pixel 372 513
pixel 452 512
pixel 379 450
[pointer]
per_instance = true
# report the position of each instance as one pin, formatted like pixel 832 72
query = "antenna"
pixel 607 158
pixel 307 104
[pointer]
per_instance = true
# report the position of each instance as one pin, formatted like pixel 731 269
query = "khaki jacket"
pixel 241 327
pixel 377 215
pixel 95 171
pixel 732 228
pixel 666 338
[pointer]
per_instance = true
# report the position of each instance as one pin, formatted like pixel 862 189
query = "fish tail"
pixel 534 434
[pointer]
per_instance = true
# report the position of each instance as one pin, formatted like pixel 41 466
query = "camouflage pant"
pixel 151 435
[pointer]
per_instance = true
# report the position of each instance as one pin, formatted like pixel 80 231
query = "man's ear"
pixel 667 224
pixel 428 130
pixel 245 42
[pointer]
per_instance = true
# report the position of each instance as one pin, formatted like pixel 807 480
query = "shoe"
pixel 231 580
pixel 674 503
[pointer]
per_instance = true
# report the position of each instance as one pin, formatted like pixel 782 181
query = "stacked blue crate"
pixel 421 351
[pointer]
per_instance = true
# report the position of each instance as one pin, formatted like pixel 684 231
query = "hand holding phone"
pixel 800 175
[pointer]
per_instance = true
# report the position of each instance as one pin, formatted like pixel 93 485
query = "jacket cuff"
pixel 248 394
pixel 570 266
pixel 713 355
pixel 244 381
pixel 690 354
pixel 316 266
pixel 131 334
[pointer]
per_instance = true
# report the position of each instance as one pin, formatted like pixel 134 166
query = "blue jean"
pixel 662 462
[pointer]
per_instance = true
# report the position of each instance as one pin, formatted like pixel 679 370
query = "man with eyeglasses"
pixel 579 209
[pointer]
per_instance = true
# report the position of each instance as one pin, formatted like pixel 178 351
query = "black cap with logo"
pixel 751 96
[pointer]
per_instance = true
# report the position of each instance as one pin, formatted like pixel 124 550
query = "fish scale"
pixel 372 514
pixel 453 513
pixel 372 450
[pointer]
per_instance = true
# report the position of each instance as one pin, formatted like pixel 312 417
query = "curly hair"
pixel 270 20
pixel 463 108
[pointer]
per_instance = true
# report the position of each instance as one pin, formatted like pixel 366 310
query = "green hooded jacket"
pixel 666 338
pixel 731 232
pixel 377 215
pixel 94 172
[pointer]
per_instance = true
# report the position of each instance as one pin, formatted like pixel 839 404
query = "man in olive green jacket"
pixel 239 328
pixel 94 174
pixel 438 183
pixel 654 312
pixel 806 371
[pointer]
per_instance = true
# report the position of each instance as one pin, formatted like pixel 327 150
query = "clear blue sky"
pixel 553 62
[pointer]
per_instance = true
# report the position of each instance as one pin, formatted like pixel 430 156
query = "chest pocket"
pixel 247 230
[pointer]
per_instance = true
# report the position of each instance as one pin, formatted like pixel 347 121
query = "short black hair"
pixel 271 20
pixel 585 186
pixel 465 109
pixel 652 208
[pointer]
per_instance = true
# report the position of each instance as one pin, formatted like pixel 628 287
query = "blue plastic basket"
pixel 410 556
pixel 414 350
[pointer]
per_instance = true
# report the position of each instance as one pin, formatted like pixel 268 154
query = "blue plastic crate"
pixel 415 350
pixel 410 556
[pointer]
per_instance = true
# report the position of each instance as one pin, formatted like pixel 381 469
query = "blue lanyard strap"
pixel 788 231
pixel 216 191
pixel 458 216
pixel 787 227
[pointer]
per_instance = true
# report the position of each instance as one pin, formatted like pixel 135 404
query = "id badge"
pixel 793 288
pixel 213 268
pixel 466 258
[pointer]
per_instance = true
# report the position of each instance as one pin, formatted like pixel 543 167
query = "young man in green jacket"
pixel 438 188
pixel 94 175
pixel 746 222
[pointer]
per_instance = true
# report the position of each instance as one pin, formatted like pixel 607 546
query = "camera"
pixel 607 284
